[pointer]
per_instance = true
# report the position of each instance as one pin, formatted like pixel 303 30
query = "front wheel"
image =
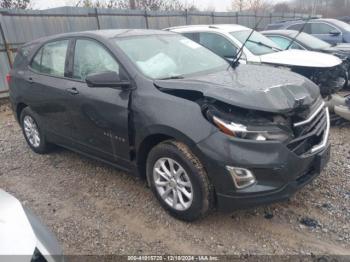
pixel 179 181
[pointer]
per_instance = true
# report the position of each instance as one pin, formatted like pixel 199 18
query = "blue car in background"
pixel 332 31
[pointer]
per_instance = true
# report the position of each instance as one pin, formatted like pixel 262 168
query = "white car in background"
pixel 226 40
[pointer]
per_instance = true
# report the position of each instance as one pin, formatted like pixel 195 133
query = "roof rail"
pixel 298 18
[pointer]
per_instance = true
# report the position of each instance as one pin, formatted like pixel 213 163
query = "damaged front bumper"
pixel 279 171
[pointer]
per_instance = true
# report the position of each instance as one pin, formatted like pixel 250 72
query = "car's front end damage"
pixel 329 80
pixel 327 71
pixel 272 133
pixel 267 158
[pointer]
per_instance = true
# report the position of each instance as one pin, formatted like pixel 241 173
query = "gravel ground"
pixel 95 209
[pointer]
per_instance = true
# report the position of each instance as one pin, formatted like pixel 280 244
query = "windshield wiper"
pixel 173 77
pixel 299 32
pixel 268 46
pixel 239 54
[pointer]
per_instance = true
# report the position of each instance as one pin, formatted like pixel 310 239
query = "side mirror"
pixel 334 33
pixel 106 79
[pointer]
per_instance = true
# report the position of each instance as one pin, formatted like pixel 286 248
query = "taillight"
pixel 8 78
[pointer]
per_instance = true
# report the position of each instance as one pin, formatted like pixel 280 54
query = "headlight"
pixel 261 133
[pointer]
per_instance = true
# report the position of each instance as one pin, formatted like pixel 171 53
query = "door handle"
pixel 72 91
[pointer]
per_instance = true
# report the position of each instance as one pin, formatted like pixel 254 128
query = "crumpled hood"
pixel 301 58
pixel 254 87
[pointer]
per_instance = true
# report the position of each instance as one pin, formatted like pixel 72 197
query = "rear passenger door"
pixel 100 115
pixel 47 95
pixel 326 32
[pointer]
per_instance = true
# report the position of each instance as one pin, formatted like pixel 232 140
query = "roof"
pixel 284 32
pixel 292 21
pixel 213 27
pixel 107 34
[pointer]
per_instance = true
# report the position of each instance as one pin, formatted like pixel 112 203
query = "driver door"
pixel 100 115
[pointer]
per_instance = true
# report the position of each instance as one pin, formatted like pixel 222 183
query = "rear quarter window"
pixel 22 56
pixel 51 58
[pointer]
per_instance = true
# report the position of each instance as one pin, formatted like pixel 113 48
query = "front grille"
pixel 311 134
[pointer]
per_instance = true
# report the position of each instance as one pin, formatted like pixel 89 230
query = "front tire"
pixel 179 181
pixel 32 131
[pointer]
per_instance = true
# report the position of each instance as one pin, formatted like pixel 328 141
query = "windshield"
pixel 311 41
pixel 258 44
pixel 169 56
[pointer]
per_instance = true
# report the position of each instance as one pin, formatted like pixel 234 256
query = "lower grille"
pixel 311 135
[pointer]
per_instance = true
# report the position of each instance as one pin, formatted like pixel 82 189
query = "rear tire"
pixel 179 181
pixel 32 131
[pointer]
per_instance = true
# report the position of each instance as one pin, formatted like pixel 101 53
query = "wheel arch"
pixel 19 108
pixel 153 137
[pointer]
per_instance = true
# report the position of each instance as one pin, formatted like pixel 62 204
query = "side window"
pixel 298 27
pixel 282 42
pixel 192 36
pixel 36 62
pixel 321 28
pixel 296 46
pixel 218 44
pixel 22 56
pixel 51 58
pixel 91 58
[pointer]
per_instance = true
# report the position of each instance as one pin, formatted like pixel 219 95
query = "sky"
pixel 220 5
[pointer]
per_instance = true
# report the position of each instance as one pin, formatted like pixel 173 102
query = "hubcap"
pixel 31 131
pixel 173 184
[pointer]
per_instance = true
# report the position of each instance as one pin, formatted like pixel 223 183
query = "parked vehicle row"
pixel 290 39
pixel 332 31
pixel 325 70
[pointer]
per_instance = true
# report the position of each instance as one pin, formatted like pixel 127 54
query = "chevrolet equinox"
pixel 203 134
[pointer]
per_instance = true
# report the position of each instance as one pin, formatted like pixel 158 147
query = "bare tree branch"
pixel 20 4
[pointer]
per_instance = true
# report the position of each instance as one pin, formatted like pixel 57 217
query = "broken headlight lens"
pixel 254 133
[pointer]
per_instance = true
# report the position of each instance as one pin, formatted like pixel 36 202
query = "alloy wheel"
pixel 173 183
pixel 31 131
